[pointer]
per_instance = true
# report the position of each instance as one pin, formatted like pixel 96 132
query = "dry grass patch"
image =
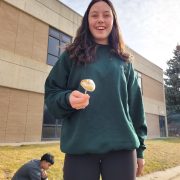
pixel 13 157
pixel 160 154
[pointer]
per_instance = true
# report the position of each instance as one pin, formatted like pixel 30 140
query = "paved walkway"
pixel 28 143
pixel 169 174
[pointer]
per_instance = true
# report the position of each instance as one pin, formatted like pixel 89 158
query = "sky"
pixel 149 27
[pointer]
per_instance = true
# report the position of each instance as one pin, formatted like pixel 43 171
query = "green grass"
pixel 160 154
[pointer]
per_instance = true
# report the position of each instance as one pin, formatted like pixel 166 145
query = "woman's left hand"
pixel 140 166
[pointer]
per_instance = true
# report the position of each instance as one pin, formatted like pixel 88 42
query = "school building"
pixel 32 36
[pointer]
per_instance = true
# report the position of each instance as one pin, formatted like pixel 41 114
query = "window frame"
pixel 62 38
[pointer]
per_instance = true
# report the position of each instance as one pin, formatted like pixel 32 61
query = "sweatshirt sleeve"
pixel 56 91
pixel 136 109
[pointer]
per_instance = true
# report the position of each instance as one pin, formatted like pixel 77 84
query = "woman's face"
pixel 100 21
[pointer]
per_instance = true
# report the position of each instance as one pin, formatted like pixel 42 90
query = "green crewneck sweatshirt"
pixel 113 120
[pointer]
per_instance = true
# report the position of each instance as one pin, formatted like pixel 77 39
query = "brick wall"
pixel 20 115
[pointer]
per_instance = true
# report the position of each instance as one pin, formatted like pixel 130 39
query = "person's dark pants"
pixel 116 165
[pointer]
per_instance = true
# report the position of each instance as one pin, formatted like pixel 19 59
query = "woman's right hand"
pixel 78 100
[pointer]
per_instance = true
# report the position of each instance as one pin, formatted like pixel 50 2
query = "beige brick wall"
pixel 22 73
pixel 23 34
pixel 51 12
pixel 152 88
pixel 23 50
pixel 153 95
pixel 20 115
pixel 153 125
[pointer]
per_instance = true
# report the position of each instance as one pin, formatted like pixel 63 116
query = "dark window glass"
pixel 48 132
pixel 62 47
pixel 48 118
pixel 53 46
pixel 51 126
pixel 57 42
pixel 162 126
pixel 65 38
pixel 54 33
pixel 58 131
pixel 51 60
pixel 59 121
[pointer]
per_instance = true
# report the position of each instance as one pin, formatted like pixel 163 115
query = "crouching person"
pixel 35 169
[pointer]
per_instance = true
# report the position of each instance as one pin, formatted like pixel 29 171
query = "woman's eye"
pixel 94 15
pixel 107 15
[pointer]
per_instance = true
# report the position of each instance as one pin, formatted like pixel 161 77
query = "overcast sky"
pixel 150 27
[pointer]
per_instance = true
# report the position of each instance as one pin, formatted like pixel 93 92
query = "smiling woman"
pixel 100 22
pixel 103 131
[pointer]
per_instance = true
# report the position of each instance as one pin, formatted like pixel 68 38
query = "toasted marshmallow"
pixel 88 84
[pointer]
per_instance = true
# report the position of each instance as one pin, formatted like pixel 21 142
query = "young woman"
pixel 103 131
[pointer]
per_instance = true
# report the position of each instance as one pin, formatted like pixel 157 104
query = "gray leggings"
pixel 115 165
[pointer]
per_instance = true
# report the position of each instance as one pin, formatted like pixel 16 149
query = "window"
pixel 51 126
pixel 138 74
pixel 162 126
pixel 57 42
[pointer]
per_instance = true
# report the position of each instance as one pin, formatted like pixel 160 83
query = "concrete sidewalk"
pixel 29 143
pixel 169 174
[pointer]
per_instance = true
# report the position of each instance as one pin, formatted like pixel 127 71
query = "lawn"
pixel 160 154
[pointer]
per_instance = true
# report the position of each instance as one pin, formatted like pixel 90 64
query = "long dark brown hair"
pixel 83 48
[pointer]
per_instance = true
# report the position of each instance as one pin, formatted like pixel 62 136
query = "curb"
pixel 28 143
pixel 168 174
